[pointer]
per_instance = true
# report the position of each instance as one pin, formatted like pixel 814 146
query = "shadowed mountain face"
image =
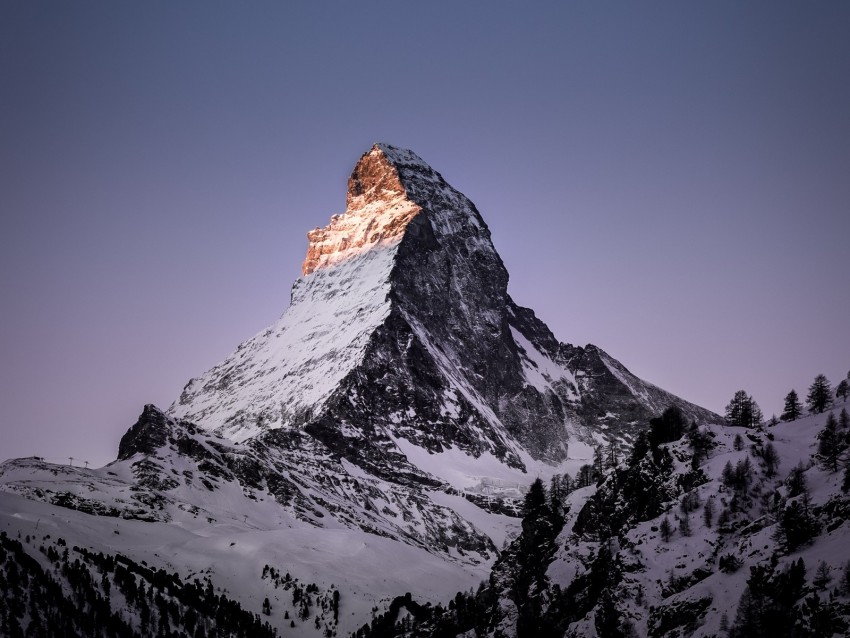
pixel 401 327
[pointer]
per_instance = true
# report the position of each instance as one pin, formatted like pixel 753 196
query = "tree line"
pixel 743 411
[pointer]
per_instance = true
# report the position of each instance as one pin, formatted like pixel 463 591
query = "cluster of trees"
pixel 305 598
pixel 797 522
pixel 834 445
pixel 561 485
pixel 72 598
pixel 639 489
pixel 818 399
pixel 743 411
pixel 520 574
pixel 779 603
pixel 739 477
pixel 465 612
pixel 30 592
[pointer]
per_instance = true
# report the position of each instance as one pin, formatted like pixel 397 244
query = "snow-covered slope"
pixel 232 557
pixel 401 328
pixel 284 375
pixel 668 547
pixel 398 410
pixel 191 502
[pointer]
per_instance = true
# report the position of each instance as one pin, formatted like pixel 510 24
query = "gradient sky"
pixel 667 180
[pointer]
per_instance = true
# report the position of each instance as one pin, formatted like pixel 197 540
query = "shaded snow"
pixel 367 569
pixel 540 371
pixel 293 366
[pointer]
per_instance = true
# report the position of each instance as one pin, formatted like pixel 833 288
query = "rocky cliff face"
pixel 402 327
pixel 393 416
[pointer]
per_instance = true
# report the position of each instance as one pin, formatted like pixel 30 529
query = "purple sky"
pixel 667 180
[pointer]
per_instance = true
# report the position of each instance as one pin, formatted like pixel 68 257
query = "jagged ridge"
pixel 401 326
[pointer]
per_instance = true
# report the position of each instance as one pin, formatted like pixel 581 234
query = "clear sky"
pixel 667 180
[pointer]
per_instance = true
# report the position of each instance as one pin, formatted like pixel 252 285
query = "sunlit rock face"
pixel 401 327
pixel 376 216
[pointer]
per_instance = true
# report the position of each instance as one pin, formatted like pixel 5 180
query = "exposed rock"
pixel 148 434
pixel 402 327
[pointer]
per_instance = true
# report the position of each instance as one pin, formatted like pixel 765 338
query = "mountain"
pixel 402 328
pixel 377 439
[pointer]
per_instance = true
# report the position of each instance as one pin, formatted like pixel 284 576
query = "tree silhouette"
pixel 820 395
pixel 830 444
pixel 666 530
pixel 743 411
pixel 793 408
pixel 771 460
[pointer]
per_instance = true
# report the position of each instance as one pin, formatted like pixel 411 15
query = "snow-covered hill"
pixel 691 583
pixel 717 531
pixel 379 438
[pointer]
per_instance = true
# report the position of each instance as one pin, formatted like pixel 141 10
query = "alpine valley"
pixel 367 465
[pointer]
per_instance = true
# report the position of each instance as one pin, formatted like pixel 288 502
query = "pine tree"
pixel 556 494
pixel 743 474
pixel 822 576
pixel 700 442
pixel 598 463
pixel 584 476
pixel 736 408
pixel 771 460
pixel 844 419
pixel 668 427
pixel 820 395
pixel 738 443
pixel 685 525
pixel 535 500
pixel 830 444
pixel 842 390
pixel 756 415
pixel 743 411
pixel 793 409
pixel 612 455
pixel 728 474
pixel 796 480
pixel 797 525
pixel 708 511
pixel 607 618
pixel 666 530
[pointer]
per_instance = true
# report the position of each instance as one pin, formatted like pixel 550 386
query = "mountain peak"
pixel 375 176
pixel 401 327
pixel 378 208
